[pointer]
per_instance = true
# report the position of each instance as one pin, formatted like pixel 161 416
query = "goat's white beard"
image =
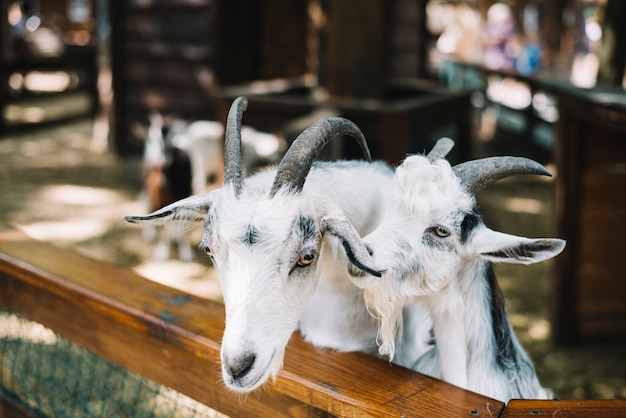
pixel 276 365
pixel 387 308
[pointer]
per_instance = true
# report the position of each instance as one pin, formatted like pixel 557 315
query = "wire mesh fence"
pixel 54 377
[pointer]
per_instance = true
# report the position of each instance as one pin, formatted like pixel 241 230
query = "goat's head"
pixel 265 244
pixel 160 140
pixel 433 231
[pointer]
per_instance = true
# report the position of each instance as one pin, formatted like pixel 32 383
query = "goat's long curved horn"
pixel 440 150
pixel 478 174
pixel 232 144
pixel 296 164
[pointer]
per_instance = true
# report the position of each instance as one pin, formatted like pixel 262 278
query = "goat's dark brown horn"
pixel 296 164
pixel 440 150
pixel 232 145
pixel 478 174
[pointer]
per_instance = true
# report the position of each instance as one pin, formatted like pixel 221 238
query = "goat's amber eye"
pixel 306 259
pixel 442 231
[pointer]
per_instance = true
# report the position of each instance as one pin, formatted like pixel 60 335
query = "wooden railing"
pixel 82 61
pixel 173 338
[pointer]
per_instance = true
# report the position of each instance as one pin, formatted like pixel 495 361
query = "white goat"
pixel 434 248
pixel 167 176
pixel 279 245
pixel 202 140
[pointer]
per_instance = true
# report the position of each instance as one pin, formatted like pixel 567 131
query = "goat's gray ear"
pixel 341 228
pixel 499 247
pixel 190 209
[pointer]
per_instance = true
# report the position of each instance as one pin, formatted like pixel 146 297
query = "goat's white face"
pixel 267 267
pixel 265 250
pixel 265 238
pixel 418 243
pixel 431 232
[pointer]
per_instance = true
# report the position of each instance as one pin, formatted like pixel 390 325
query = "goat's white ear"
pixel 340 227
pixel 499 247
pixel 190 209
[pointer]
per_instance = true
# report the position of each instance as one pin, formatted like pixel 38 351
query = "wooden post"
pixel 613 53
pixel 355 48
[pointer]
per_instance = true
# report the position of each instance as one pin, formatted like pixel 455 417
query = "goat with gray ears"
pixel 279 245
pixel 435 249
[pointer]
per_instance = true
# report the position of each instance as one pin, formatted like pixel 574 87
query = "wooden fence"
pixel 173 338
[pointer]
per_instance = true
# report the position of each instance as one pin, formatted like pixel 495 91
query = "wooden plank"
pixel 567 206
pixel 284 49
pixel 603 149
pixel 568 408
pixel 10 409
pixel 176 26
pixel 355 51
pixel 602 289
pixel 173 338
pixel 601 239
pixel 602 193
pixel 166 4
pixel 601 328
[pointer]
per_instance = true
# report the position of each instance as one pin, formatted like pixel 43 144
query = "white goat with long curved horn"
pixel 279 242
pixel 434 248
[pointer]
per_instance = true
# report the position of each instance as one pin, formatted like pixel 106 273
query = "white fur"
pixel 266 295
pixel 202 140
pixel 450 277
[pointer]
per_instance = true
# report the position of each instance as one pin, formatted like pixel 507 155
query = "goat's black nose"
pixel 240 366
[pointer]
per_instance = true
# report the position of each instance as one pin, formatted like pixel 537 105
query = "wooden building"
pixel 48 50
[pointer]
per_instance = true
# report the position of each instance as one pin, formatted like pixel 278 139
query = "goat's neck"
pixel 496 364
pixel 488 331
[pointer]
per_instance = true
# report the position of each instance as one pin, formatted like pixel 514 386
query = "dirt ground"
pixel 58 186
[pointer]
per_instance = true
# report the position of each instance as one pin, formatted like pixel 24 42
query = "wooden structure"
pixel 408 118
pixel 162 60
pixel 590 289
pixel 173 338
pixel 187 57
pixel 172 56
pixel 69 48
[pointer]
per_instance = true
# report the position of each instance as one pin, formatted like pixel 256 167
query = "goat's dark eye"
pixel 441 231
pixel 207 250
pixel 306 259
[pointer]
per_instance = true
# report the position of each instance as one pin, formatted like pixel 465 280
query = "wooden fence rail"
pixel 173 338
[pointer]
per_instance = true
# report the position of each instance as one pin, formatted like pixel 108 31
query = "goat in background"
pixel 175 147
pixel 167 177
pixel 434 248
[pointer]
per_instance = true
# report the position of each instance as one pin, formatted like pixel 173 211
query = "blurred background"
pixel 82 80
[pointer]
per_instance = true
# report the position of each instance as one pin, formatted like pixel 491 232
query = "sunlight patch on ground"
pixel 193 278
pixel 71 230
pixel 538 329
pixel 80 195
pixel 42 109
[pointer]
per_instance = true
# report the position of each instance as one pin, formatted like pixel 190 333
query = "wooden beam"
pixel 356 49
pixel 173 338
pixel 10 409
pixel 519 408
